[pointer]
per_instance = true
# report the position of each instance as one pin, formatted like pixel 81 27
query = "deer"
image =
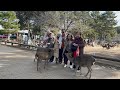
pixel 43 54
pixel 85 61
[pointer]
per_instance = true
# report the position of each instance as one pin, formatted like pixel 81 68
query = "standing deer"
pixel 43 54
pixel 84 61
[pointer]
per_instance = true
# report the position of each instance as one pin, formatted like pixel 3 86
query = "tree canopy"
pixel 9 21
pixel 92 23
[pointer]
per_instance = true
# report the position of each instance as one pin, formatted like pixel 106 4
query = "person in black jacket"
pixel 78 42
pixel 50 44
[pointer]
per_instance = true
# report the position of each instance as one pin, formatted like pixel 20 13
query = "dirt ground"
pixel 19 64
pixel 112 52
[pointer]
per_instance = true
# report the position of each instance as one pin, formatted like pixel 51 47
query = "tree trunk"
pixel 17 37
pixel 64 22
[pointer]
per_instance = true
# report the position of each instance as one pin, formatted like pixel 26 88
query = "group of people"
pixel 62 43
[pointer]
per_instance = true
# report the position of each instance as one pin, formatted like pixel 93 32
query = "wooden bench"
pixel 12 43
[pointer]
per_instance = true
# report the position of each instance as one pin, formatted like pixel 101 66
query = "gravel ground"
pixel 19 64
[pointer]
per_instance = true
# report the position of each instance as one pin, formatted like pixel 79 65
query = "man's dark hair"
pixel 63 31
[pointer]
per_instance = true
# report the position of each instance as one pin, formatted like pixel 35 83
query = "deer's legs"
pixel 38 61
pixel 80 70
pixel 75 70
pixel 45 64
pixel 37 64
pixel 89 71
pixel 56 60
pixel 47 61
pixel 35 57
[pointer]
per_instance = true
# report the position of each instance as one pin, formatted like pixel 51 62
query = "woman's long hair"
pixel 71 39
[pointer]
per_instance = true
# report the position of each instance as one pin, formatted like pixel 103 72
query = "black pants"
pixel 70 63
pixel 75 67
pixel 65 57
pixel 51 59
pixel 60 55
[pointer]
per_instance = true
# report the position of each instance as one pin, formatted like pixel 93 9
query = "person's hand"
pixel 75 44
pixel 48 43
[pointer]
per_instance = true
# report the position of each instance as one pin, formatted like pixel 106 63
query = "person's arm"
pixel 81 44
pixel 45 37
pixel 74 43
pixel 60 41
pixel 66 43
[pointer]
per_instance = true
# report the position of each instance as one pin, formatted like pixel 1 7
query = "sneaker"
pixel 71 66
pixel 74 66
pixel 65 65
pixel 78 71
pixel 60 62
pixel 51 62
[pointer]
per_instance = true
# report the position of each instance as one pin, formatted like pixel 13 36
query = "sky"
pixel 0 27
pixel 117 18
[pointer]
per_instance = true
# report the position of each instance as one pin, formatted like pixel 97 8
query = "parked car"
pixel 3 36
pixel 13 36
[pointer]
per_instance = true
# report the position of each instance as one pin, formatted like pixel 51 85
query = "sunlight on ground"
pixel 116 74
pixel 18 50
pixel 2 65
pixel 6 53
pixel 4 60
pixel 15 56
pixel 99 48
pixel 112 78
pixel 114 52
pixel 97 68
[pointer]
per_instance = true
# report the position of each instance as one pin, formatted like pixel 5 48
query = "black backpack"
pixel 73 48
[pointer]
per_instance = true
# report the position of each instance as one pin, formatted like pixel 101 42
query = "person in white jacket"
pixel 45 37
pixel 61 45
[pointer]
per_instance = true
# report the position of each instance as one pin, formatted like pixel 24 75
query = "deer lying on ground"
pixel 84 61
pixel 104 46
pixel 43 54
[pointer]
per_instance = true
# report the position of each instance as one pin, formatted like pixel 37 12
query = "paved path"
pixel 18 64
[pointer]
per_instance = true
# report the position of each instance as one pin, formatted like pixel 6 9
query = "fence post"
pixel 5 42
pixel 12 43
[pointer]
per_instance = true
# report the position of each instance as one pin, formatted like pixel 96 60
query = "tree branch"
pixel 69 25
